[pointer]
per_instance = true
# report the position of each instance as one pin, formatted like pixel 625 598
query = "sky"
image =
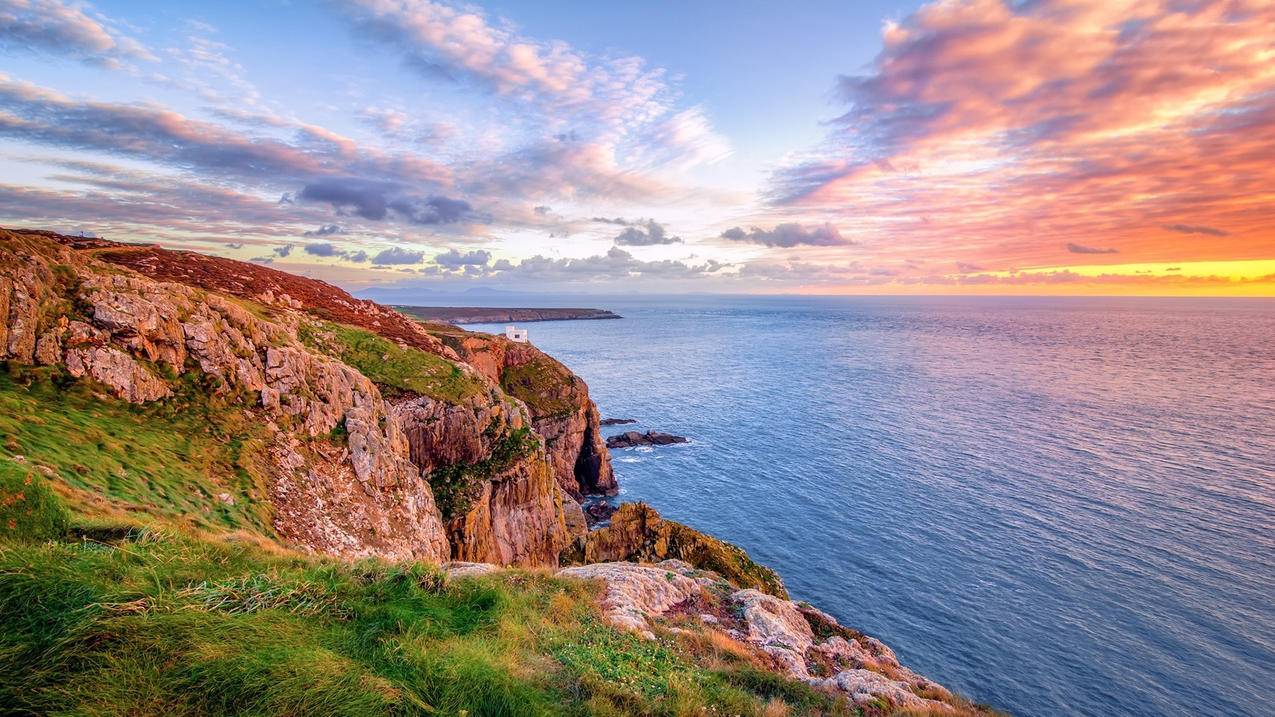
pixel 871 147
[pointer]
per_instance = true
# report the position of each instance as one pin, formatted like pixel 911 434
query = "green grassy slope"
pixel 170 459
pixel 158 622
pixel 394 368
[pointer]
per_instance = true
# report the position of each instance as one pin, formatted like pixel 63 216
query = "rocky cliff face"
pixel 139 338
pixel 558 403
pixel 416 418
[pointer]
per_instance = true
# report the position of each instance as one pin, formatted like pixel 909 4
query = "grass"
pixel 544 385
pixel 29 509
pixel 396 369
pixel 170 459
pixel 163 622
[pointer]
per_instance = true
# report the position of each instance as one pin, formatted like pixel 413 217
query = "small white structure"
pixel 513 333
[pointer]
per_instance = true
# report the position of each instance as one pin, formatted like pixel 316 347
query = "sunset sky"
pixel 874 146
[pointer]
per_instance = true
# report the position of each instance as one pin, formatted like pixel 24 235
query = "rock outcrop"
pixel 796 639
pixel 634 439
pixel 637 533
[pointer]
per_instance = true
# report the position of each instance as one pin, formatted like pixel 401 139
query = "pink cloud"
pixel 1017 130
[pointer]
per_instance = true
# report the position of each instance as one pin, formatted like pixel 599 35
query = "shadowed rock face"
pixel 514 514
pixel 518 518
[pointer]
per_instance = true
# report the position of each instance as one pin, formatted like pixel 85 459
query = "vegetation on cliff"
pixel 395 368
pixel 541 383
pixel 456 486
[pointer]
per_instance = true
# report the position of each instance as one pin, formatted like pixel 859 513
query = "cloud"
pixel 374 200
pixel 330 250
pixel 1081 249
pixel 284 250
pixel 453 259
pixel 616 264
pixel 322 249
pixel 53 27
pixel 326 230
pixel 397 255
pixel 649 234
pixel 1194 229
pixel 128 201
pixel 361 197
pixel 967 268
pixel 322 161
pixel 431 210
pixel 1004 130
pixel 608 121
pixel 789 235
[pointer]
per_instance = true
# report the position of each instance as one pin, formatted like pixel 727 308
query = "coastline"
pixel 496 315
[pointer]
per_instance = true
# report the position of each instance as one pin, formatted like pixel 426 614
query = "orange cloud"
pixel 1009 137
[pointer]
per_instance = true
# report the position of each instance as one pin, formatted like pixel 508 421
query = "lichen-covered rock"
pixel 322 506
pixel 797 640
pixel 637 593
pixel 460 569
pixel 117 370
pixel 777 627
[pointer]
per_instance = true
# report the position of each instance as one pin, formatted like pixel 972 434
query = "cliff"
pixel 226 489
pixel 401 416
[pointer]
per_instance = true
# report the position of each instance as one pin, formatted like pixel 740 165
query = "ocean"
pixel 1054 506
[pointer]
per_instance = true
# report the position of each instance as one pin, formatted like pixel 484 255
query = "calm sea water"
pixel 1056 506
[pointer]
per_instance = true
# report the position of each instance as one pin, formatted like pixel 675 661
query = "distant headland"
pixel 487 315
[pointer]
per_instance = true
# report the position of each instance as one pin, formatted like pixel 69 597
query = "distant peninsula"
pixel 487 315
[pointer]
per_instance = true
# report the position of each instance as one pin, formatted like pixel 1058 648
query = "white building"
pixel 514 333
